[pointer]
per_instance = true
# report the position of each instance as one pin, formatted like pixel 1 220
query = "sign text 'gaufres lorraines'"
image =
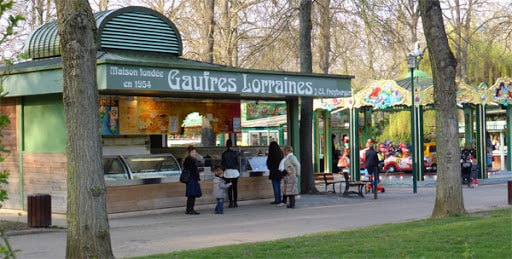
pixel 187 80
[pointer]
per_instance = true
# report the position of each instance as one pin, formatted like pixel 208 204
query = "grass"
pixel 485 234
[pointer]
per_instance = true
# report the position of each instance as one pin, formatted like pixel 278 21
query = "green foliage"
pixel 395 126
pixel 476 235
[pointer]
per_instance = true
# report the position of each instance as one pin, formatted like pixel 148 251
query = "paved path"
pixel 162 231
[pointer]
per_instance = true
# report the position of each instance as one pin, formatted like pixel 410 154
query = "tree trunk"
pixel 449 200
pixel 88 233
pixel 306 125
pixel 325 35
pixel 207 31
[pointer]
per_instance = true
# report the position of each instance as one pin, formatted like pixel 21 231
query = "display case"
pixel 136 167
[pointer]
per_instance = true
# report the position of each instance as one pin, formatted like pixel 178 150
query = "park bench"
pixel 327 179
pixel 360 185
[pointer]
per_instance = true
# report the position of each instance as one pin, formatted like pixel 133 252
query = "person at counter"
pixel 275 155
pixel 193 189
pixel 230 164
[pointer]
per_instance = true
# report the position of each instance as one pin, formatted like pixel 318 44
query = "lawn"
pixel 484 234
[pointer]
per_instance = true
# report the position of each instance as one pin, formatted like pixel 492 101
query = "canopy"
pixel 501 92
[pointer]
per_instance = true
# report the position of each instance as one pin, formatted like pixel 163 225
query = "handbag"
pixel 185 176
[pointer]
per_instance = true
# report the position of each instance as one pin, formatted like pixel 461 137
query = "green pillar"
pixel 328 142
pixel 316 137
pixel 417 146
pixel 367 128
pixel 415 135
pixel 281 135
pixel 422 144
pixel 481 141
pixel 293 112
pixel 508 135
pixel 468 125
pixel 354 143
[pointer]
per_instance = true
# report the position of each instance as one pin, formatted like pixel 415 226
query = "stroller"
pixel 369 185
pixel 468 170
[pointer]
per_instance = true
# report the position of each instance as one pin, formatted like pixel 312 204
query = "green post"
pixel 354 143
pixel 508 133
pixel 421 148
pixel 412 65
pixel 328 140
pixel 316 138
pixel 481 141
pixel 468 125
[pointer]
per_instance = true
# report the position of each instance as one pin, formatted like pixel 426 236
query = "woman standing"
pixel 291 166
pixel 193 189
pixel 230 164
pixel 275 155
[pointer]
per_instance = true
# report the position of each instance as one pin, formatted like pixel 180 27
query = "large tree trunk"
pixel 88 233
pixel 207 31
pixel 306 125
pixel 449 198
pixel 325 35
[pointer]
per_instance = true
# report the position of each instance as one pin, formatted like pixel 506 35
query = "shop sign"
pixel 121 77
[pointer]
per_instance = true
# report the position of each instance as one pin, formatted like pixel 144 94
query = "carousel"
pixel 416 94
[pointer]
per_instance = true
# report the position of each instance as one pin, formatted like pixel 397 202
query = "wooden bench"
pixel 359 184
pixel 327 179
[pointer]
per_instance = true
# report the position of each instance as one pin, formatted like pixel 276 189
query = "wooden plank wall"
pixel 11 162
pixel 46 173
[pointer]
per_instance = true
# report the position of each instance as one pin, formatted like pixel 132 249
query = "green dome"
pixel 132 28
pixel 417 73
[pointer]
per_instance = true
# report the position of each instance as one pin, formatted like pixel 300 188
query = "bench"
pixel 327 179
pixel 359 184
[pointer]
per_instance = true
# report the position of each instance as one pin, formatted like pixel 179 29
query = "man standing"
pixel 372 164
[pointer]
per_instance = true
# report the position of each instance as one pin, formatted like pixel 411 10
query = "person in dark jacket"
pixel 275 155
pixel 193 189
pixel 230 164
pixel 372 163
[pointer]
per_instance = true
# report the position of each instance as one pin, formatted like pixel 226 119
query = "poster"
pixel 109 117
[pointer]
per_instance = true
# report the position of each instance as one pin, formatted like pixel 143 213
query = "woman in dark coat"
pixel 193 188
pixel 275 155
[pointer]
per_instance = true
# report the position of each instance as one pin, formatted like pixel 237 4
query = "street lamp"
pixel 411 60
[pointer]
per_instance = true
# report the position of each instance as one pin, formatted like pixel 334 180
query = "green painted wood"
pixel 44 124
pixel 130 28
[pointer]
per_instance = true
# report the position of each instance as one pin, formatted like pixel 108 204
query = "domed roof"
pixel 132 28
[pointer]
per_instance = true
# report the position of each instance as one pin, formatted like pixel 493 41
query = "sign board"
pixel 139 78
pixel 258 164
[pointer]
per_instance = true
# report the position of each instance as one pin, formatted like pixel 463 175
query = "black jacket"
pixel 229 159
pixel 372 159
pixel 273 161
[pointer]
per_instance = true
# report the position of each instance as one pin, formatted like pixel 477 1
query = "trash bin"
pixel 39 212
pixel 509 192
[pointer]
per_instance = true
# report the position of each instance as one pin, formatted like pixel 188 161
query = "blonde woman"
pixel 290 167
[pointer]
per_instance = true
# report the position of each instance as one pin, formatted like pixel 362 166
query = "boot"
pixel 292 202
pixel 235 204
pixel 189 205
pixel 231 205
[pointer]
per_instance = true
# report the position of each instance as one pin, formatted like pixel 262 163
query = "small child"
pixel 219 190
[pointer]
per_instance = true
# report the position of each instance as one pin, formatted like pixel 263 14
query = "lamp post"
pixel 411 60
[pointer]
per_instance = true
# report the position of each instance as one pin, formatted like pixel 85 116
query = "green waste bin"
pixel 39 212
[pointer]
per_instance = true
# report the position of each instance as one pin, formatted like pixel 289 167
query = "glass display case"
pixel 133 167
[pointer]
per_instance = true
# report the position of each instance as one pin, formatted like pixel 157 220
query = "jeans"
pixel 233 189
pixel 276 185
pixel 374 171
pixel 220 206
